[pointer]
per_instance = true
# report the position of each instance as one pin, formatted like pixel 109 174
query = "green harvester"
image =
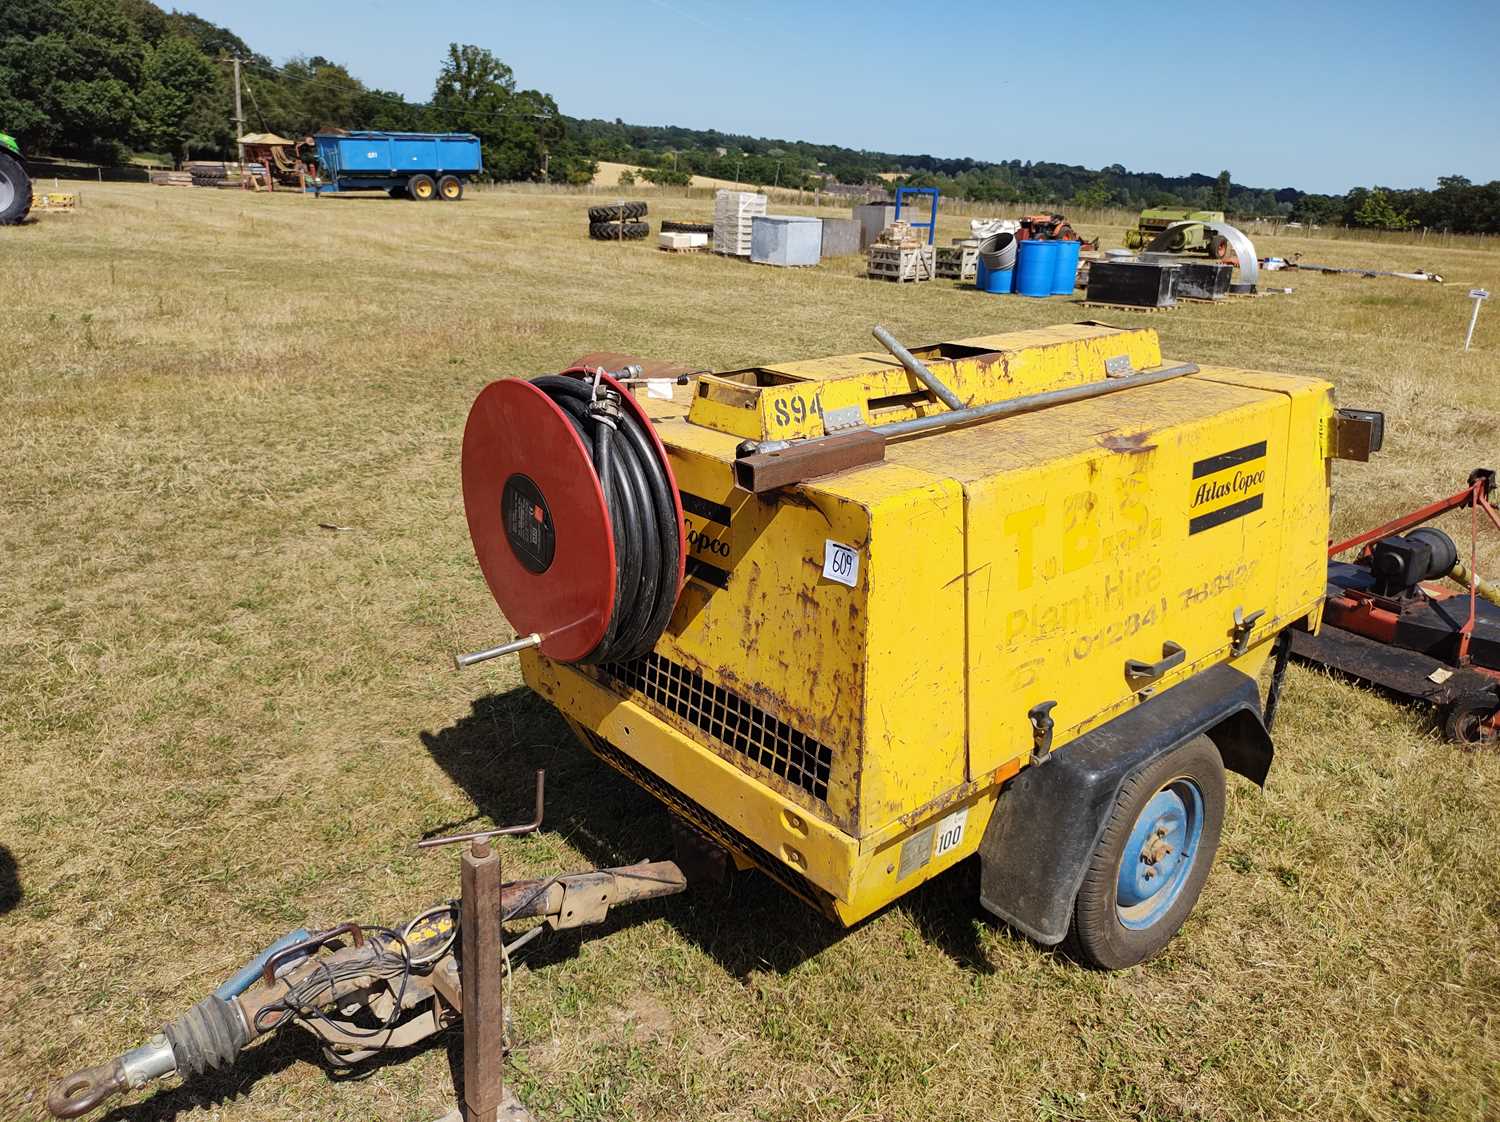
pixel 1186 239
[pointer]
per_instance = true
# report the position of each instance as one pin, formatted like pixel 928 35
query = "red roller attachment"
pixel 586 567
pixel 537 518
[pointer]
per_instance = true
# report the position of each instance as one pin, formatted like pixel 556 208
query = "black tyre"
pixel 1470 722
pixel 613 231
pixel 1218 247
pixel 396 192
pixel 450 188
pixel 1149 866
pixel 15 191
pixel 617 212
pixel 669 225
pixel 421 187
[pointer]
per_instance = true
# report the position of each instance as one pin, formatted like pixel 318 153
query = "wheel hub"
pixel 1159 854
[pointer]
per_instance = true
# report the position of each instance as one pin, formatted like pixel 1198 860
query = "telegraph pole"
pixel 239 114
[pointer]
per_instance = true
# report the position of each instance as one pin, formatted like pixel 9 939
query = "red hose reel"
pixel 538 516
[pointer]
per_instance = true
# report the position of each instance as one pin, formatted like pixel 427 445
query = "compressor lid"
pixel 537 518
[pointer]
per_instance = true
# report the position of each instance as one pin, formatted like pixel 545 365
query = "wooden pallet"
pixel 958 262
pixel 683 248
pixel 1128 307
pixel 902 264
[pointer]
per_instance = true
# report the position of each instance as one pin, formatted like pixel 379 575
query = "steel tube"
pixel 514 646
pixel 917 367
pixel 1032 402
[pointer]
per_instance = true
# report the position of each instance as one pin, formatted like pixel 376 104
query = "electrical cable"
pixel 638 495
pixel 304 1002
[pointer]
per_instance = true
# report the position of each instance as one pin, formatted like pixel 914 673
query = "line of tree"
pixel 671 154
pixel 108 80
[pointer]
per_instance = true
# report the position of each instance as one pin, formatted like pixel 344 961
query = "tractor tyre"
pixel 15 191
pixel 1218 247
pixel 672 226
pixel 450 188
pixel 1470 722
pixel 617 212
pixel 614 231
pixel 421 188
pixel 1150 863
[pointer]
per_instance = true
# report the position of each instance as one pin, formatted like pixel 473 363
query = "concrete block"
pixel 785 239
pixel 872 219
pixel 840 237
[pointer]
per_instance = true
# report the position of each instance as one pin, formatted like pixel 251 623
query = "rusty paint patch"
pixel 1128 442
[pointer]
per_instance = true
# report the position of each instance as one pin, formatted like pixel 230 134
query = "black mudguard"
pixel 1049 819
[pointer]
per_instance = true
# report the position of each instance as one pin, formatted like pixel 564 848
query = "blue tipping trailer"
pixel 416 165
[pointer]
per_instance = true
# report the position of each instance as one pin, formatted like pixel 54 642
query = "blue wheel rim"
pixel 1159 854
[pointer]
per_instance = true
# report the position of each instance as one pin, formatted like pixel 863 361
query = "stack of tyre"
pixel 208 175
pixel 618 221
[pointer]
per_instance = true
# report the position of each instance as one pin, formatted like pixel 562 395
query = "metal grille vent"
pixel 729 719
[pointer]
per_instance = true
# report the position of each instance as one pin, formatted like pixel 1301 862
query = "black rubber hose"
pixel 642 514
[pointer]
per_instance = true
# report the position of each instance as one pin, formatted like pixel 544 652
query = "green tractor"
pixel 1183 239
pixel 15 183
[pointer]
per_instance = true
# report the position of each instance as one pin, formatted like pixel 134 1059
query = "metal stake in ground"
pixel 1479 296
pixel 484 1001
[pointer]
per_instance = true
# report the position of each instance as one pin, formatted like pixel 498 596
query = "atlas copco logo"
pixel 1241 483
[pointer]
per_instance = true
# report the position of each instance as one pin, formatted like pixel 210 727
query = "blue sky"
pixel 1317 95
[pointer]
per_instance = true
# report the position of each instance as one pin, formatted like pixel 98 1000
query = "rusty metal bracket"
pixel 1357 433
pixel 585 900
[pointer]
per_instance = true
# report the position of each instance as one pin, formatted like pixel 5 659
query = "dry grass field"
pixel 220 720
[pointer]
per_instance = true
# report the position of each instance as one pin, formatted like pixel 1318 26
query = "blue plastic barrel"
pixel 1066 272
pixel 1036 265
pixel 992 280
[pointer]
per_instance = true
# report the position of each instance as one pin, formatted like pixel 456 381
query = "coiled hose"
pixel 644 518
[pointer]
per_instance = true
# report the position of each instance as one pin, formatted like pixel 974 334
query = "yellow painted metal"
pixel 792 400
pixel 999 566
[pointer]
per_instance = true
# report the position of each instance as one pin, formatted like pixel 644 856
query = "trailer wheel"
pixel 421 187
pixel 1150 863
pixel 1470 722
pixel 15 191
pixel 450 188
pixel 1218 247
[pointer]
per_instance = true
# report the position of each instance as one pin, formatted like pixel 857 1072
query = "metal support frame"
pixel 931 224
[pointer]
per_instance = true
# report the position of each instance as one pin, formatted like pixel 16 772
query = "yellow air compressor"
pixel 856 619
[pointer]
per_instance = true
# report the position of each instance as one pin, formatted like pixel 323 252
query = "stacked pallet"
pixel 900 255
pixel 172 178
pixel 958 262
pixel 734 213
pixel 901 263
